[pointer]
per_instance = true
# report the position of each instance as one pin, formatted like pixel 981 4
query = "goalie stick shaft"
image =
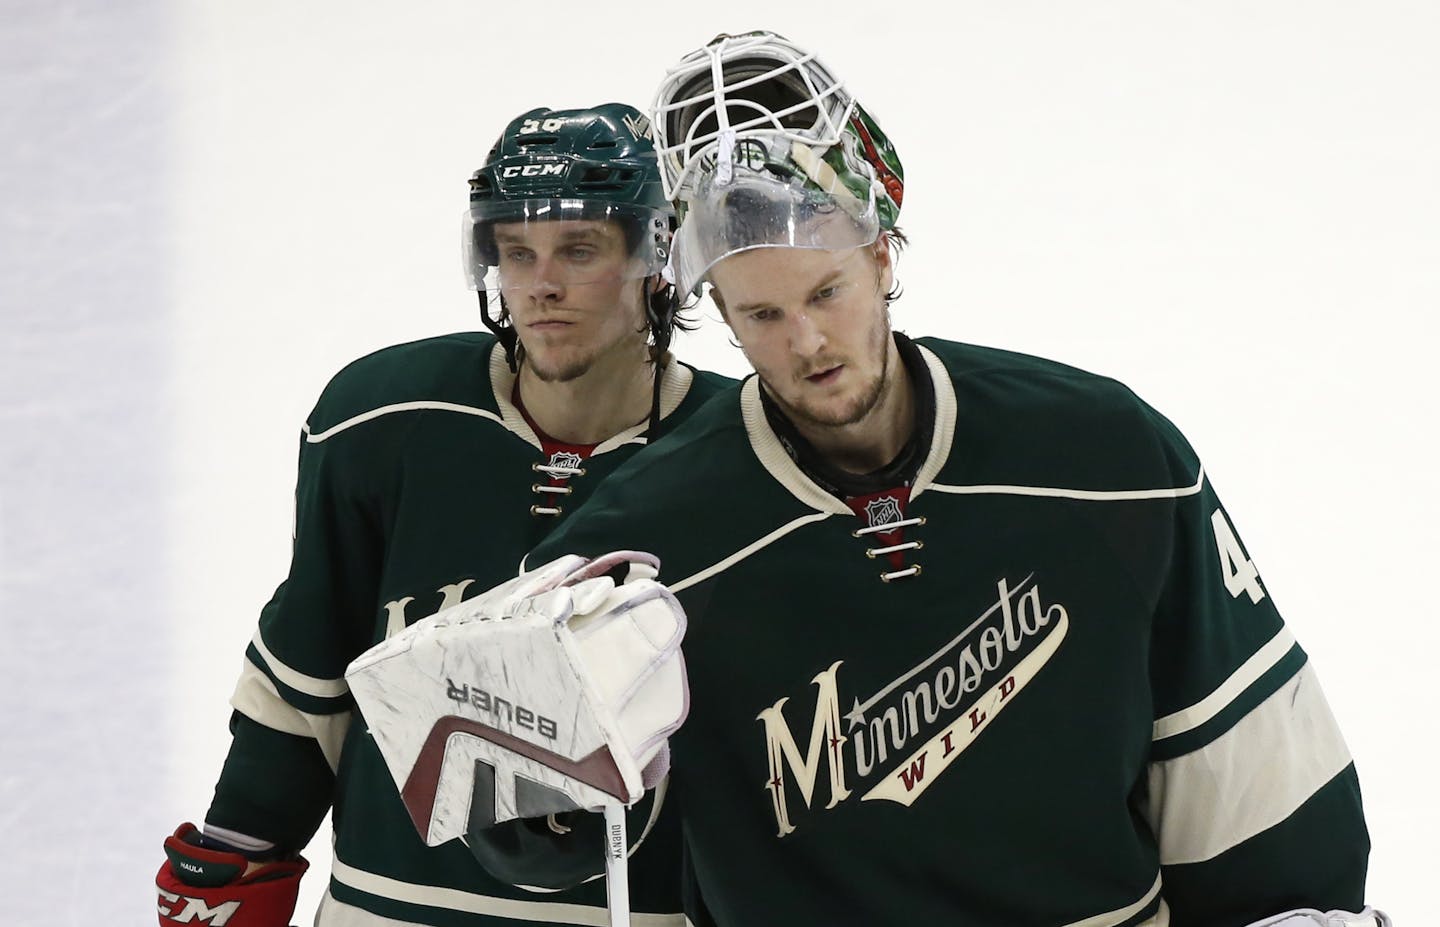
pixel 617 885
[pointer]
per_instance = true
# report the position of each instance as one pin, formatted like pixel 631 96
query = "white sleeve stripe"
pixel 399 407
pixel 746 551
pixel 453 899
pixel 1249 779
pixel 310 685
pixel 238 840
pixel 1121 915
pixel 1089 495
pixel 1260 662
pixel 257 699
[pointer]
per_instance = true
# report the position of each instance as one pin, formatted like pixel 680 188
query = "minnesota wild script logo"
pixel 899 740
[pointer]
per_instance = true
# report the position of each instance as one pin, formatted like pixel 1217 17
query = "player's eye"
pixel 580 254
pixel 826 293
pixel 519 255
pixel 768 314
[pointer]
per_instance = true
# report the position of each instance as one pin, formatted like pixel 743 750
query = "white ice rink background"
pixel 206 208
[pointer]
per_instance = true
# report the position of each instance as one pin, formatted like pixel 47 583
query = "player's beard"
pixel 563 372
pixel 865 401
pixel 573 364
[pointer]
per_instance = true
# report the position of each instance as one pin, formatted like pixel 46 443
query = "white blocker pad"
pixel 1309 917
pixel 552 692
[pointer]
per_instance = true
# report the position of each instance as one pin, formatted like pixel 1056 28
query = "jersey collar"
pixel 675 380
pixel 772 454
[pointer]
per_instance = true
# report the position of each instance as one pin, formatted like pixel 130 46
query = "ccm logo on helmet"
pixel 533 170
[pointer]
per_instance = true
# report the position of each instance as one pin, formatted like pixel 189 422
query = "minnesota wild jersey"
pixel 421 482
pixel 1040 682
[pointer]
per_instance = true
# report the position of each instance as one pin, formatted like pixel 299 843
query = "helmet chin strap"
pixel 503 333
pixel 661 330
pixel 654 426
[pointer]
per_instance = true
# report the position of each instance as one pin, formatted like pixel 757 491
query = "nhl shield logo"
pixel 567 459
pixel 882 511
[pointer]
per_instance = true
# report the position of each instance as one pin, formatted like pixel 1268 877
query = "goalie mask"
pixel 568 198
pixel 761 146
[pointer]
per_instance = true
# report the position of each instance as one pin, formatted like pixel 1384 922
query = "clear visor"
pixel 559 243
pixel 760 209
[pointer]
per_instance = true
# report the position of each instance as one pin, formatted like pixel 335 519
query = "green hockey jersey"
pixel 420 483
pixel 1040 684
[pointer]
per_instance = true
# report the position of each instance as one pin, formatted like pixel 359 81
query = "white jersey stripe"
pixel 1089 495
pixel 747 550
pixel 1187 719
pixel 1249 779
pixel 1121 915
pixel 674 387
pixel 548 912
pixel 333 913
pixel 417 406
pixel 257 698
pixel 310 685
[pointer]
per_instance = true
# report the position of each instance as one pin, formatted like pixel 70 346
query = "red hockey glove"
pixel 200 885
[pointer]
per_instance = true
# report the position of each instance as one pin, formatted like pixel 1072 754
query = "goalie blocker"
pixel 553 692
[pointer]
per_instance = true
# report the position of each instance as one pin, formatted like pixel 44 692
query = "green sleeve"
pixel 274 786
pixel 292 704
pixel 1314 858
pixel 1251 790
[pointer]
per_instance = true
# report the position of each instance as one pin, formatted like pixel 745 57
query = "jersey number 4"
pixel 1239 573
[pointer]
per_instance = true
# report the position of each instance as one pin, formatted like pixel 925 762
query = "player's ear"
pixel 884 266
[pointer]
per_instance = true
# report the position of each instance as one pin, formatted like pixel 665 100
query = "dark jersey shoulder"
pixel 1024 420
pixel 1008 419
pixel 705 434
pixel 447 368
pixel 708 383
pixel 693 499
pixel 713 414
pixel 704 386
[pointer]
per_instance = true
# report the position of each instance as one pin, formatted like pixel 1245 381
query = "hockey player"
pixel 971 638
pixel 426 471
